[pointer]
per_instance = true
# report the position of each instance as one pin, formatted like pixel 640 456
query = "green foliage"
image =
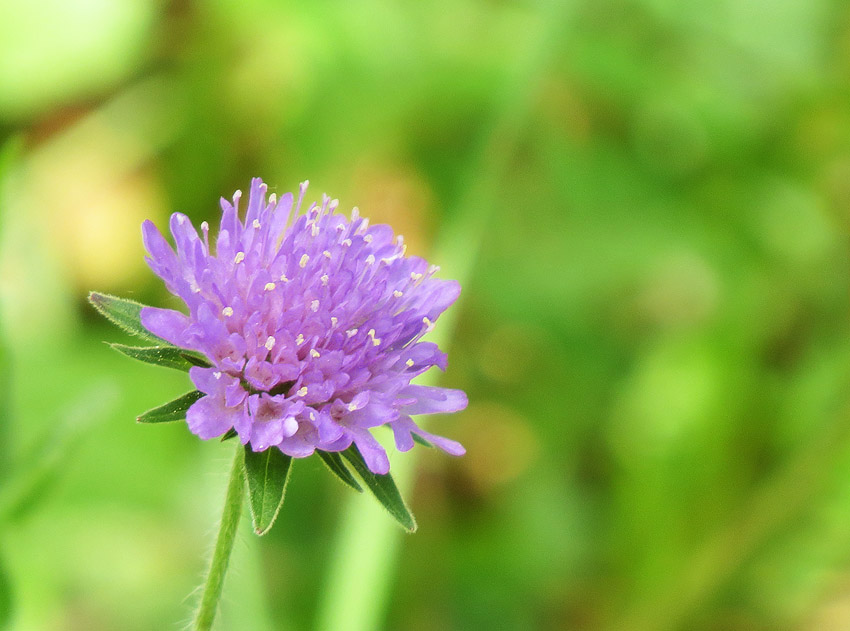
pixel 267 474
pixel 168 356
pixel 172 411
pixel 383 488
pixel 336 466
pixel 125 314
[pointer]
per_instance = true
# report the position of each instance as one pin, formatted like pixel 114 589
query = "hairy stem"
pixel 223 544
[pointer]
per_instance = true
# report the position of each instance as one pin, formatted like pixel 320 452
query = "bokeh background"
pixel 647 203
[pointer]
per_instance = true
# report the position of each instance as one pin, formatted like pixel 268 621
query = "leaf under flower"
pixel 383 488
pixel 168 356
pixel 172 411
pixel 124 314
pixel 267 473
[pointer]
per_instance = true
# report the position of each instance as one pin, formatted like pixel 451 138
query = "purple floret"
pixel 312 323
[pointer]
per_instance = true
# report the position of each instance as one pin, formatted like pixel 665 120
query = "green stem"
pixel 223 545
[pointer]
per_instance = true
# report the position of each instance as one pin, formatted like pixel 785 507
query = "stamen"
pixel 351 407
pixel 346 242
pixel 334 321
pixel 302 391
pixel 240 256
pixel 327 254
pixel 370 259
pixel 217 374
pixel 314 229
pixel 269 286
pixel 314 306
pixel 283 278
pixel 409 363
pixel 375 340
pixel 325 278
pixel 398 294
pixel 351 333
pixel 368 238
pixel 415 276
pixel 256 223
pixel 428 323
pixel 300 339
pixel 314 353
pixel 270 342
pixel 227 312
pixel 303 262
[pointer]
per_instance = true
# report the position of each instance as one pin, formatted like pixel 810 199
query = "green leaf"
pixel 383 488
pixel 124 314
pixel 334 462
pixel 267 473
pixel 231 433
pixel 168 356
pixel 173 410
pixel 418 439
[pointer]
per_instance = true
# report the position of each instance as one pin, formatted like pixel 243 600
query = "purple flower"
pixel 312 324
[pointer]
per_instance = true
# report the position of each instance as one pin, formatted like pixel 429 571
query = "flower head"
pixel 312 324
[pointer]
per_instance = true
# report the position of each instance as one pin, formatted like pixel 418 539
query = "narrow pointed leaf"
pixel 267 473
pixel 383 488
pixel 418 439
pixel 231 433
pixel 337 467
pixel 124 314
pixel 173 410
pixel 168 356
pixel 196 359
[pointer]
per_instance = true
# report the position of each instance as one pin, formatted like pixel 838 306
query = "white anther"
pixel 314 229
pixel 270 342
pixel 205 226
pixel 346 242
pixel 415 276
pixel 327 254
pixel 314 306
pixel 370 259
pixel 351 407
pixel 272 198
pixel 269 286
pixel 240 256
pixel 409 363
pixel 300 339
pixel 303 262
pixel 256 223
pixel 368 238
pixel 217 375
pixel 404 249
pixel 181 219
pixel 398 294
pixel 237 196
pixel 314 353
pixel 227 312
pixel 433 269
pixel 351 333
pixel 283 278
pixel 428 323
pixel 325 278
pixel 375 340
pixel 334 320
pixel 302 391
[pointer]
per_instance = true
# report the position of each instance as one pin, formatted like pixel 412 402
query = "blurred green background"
pixel 648 205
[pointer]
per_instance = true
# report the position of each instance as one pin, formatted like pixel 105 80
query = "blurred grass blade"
pixel 267 473
pixel 124 314
pixel 337 467
pixel 383 488
pixel 6 601
pixel 172 411
pixel 168 356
